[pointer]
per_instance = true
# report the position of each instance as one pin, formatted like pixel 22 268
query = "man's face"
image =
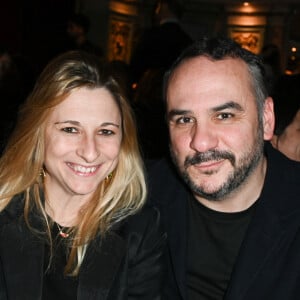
pixel 215 134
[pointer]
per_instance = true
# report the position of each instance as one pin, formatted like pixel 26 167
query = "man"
pixel 233 214
pixel 160 45
pixel 156 50
pixel 77 30
pixel 286 97
pixel 288 141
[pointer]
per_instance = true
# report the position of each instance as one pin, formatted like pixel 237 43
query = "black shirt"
pixel 56 285
pixel 214 240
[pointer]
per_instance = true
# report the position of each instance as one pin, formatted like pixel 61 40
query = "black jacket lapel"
pixel 274 223
pixel 176 230
pixel 173 207
pixel 22 256
pixel 262 239
pixel 105 254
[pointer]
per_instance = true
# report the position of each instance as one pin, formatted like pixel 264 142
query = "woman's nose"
pixel 88 149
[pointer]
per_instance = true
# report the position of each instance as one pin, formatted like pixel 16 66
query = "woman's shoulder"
pixel 13 210
pixel 145 222
pixel 148 214
pixel 143 233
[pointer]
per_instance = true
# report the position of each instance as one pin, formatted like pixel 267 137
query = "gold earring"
pixel 108 178
pixel 42 173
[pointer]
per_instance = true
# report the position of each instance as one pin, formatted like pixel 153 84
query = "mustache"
pixel 211 155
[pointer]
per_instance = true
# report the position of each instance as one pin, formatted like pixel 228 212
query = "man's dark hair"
pixel 219 48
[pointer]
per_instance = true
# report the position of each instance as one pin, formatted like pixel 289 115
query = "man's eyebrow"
pixel 226 105
pixel 230 104
pixel 177 112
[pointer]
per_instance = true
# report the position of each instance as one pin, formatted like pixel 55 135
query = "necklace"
pixel 61 232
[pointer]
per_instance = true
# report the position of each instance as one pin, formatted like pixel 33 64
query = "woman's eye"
pixel 69 129
pixel 106 132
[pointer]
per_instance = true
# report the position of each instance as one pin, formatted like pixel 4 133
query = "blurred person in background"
pixel 286 97
pixel 16 80
pixel 77 29
pixel 160 45
pixel 270 53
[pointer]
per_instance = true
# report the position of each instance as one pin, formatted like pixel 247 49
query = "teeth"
pixel 82 169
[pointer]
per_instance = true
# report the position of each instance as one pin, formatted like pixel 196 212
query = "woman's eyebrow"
pixel 78 123
pixel 68 121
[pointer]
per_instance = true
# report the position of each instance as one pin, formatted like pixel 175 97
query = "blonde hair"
pixel 22 160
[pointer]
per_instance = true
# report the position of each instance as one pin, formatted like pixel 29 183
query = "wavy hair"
pixel 22 160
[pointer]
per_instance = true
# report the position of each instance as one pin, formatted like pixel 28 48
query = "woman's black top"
pixel 56 285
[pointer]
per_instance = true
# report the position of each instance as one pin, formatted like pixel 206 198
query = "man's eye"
pixel 224 116
pixel 184 120
pixel 69 129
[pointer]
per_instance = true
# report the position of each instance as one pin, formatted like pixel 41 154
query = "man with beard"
pixel 231 204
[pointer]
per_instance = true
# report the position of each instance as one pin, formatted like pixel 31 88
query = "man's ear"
pixel 268 119
pixel 274 141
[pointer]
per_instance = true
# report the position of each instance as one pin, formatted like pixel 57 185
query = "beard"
pixel 242 168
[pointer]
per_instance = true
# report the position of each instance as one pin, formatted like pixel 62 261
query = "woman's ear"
pixel 268 119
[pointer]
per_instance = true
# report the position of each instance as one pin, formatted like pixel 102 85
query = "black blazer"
pixel 127 264
pixel 268 265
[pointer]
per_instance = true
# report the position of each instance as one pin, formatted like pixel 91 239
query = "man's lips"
pixel 209 164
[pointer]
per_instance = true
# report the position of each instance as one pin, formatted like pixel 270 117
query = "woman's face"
pixel 82 142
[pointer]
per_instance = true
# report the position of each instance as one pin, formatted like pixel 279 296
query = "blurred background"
pixel 37 29
pixel 139 39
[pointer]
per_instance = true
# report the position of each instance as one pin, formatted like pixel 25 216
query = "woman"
pixel 73 224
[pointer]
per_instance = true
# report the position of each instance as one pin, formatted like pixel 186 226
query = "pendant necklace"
pixel 61 232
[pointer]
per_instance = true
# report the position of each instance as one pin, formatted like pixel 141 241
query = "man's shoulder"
pixel 281 167
pixel 281 186
pixel 160 168
pixel 164 183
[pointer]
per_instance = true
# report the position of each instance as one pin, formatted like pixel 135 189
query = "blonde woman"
pixel 73 221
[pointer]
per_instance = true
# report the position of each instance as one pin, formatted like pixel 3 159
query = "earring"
pixel 108 178
pixel 42 173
